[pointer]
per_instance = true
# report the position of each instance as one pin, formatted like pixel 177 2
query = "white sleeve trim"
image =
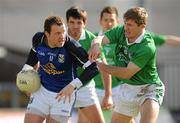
pixel 76 83
pixel 27 67
pixel 86 64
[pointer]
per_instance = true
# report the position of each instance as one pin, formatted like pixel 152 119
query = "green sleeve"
pixel 114 34
pixel 158 39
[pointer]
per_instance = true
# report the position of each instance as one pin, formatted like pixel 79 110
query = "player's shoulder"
pixel 89 34
pixel 37 38
pixel 148 44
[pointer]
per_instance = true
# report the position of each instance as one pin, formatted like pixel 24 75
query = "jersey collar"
pixel 82 37
pixel 139 39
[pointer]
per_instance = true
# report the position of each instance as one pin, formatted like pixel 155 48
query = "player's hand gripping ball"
pixel 28 81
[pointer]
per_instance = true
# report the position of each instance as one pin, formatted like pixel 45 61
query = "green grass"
pixel 107 115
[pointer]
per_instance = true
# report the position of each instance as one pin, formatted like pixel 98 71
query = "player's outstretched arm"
pixel 173 40
pixel 32 60
pixel 90 70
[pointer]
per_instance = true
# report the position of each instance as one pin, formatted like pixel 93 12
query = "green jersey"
pixel 143 54
pixel 108 51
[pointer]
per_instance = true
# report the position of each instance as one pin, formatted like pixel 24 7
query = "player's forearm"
pixel 107 82
pixel 90 72
pixel 173 40
pixel 32 59
pixel 121 72
pixel 81 55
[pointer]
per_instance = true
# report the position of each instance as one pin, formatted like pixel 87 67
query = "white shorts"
pixel 86 96
pixel 131 97
pixel 101 92
pixel 45 101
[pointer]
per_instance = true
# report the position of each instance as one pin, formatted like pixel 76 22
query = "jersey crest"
pixel 61 58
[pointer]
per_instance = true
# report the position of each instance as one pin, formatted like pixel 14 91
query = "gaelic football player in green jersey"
pixel 89 109
pixel 135 65
pixel 109 19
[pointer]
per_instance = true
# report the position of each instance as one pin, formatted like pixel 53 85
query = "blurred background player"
pixel 89 110
pixel 108 19
pixel 57 57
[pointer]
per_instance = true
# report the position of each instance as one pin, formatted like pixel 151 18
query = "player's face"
pixel 75 27
pixel 56 38
pixel 108 21
pixel 132 30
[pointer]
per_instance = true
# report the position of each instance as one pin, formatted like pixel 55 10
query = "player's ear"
pixel 46 34
pixel 143 25
pixel 85 22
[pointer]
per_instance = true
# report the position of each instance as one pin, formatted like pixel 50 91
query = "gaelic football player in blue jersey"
pixel 58 58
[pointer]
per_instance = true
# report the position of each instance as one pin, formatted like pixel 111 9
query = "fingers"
pixel 93 57
pixel 107 106
pixel 65 93
pixel 27 94
pixel 59 96
pixel 63 96
pixel 94 53
pixel 69 99
pixel 107 103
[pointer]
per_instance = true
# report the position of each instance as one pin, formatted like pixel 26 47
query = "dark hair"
pixel 138 14
pixel 110 10
pixel 76 13
pixel 52 20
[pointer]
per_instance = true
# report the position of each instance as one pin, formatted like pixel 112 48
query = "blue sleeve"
pixel 32 57
pixel 82 56
pixel 37 39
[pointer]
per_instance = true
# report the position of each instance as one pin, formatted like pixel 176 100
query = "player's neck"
pixel 133 39
pixel 48 44
pixel 75 36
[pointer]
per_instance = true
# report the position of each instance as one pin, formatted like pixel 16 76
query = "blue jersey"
pixel 56 67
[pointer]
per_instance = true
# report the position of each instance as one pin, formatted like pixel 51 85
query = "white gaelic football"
pixel 28 81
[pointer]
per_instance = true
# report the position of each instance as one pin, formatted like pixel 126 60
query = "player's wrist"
pixel 96 45
pixel 88 63
pixel 97 41
pixel 27 67
pixel 108 94
pixel 76 83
